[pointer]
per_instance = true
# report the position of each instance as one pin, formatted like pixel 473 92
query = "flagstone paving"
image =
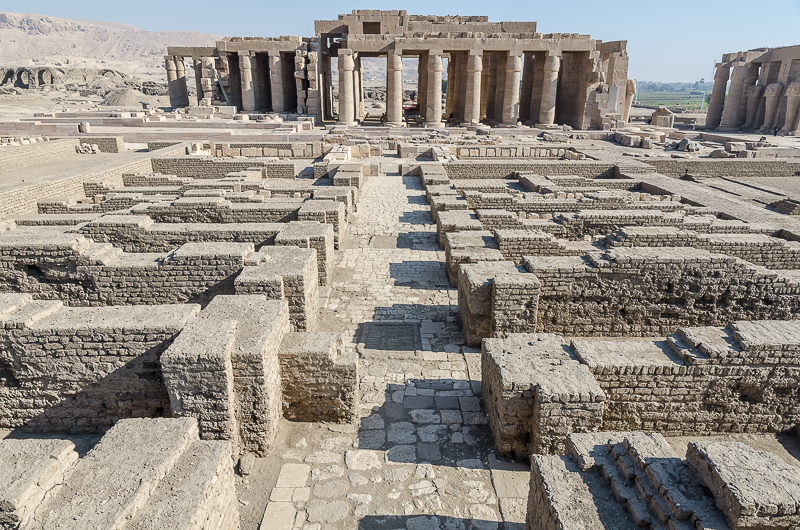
pixel 421 456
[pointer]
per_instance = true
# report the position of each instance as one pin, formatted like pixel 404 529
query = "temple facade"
pixel 498 73
pixel 764 92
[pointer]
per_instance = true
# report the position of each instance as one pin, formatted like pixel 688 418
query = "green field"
pixel 671 100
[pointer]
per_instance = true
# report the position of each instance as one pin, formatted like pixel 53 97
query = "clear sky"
pixel 672 40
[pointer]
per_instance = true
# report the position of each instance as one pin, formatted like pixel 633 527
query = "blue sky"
pixel 673 40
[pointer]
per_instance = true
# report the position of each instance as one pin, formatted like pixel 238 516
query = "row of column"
pixel 351 88
pixel 275 66
pixel 748 105
pixel 467 94
pixel 176 81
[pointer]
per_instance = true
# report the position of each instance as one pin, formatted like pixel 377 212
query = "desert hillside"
pixel 29 39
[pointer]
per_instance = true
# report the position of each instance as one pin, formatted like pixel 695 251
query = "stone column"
pixel 183 90
pixel 527 88
pixel 717 101
pixel 422 84
pixel 457 90
pixel 358 98
pixel 511 96
pixel 792 100
pixel 172 81
pixel 772 97
pixel 394 89
pixel 472 101
pixel 347 108
pixel 753 99
pixel 246 75
pixel 547 110
pixel 208 77
pixel 733 102
pixel 448 105
pixel 630 91
pixel 433 114
pixel 198 75
pixel 276 82
pixel 499 89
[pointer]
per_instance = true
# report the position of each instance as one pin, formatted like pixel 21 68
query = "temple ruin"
pixel 764 92
pixel 500 72
pixel 256 311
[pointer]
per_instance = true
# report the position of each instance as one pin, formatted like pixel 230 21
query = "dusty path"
pixel 422 455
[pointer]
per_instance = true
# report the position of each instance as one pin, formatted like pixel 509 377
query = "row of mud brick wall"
pixel 38 401
pixel 210 168
pixel 737 168
pixel 507 169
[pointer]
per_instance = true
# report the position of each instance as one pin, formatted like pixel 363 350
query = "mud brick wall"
pixel 219 210
pixel 216 168
pixel 84 368
pixel 24 199
pixel 535 393
pixel 681 400
pixel 477 169
pixel 81 274
pixel 156 145
pixel 509 151
pixel 224 370
pixel 106 144
pixel 320 382
pixel 758 249
pixel 740 167
pixel 279 149
pixel 17 157
pixel 649 291
pixel 285 273
pixel 198 374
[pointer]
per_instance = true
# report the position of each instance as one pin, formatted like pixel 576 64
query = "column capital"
pixel 552 63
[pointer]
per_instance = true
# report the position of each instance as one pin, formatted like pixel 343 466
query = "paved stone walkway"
pixel 422 455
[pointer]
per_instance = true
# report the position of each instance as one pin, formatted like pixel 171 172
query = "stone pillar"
pixel 276 82
pixel 753 99
pixel 630 91
pixel 472 101
pixel 733 102
pixel 198 76
pixel 183 90
pixel 792 101
pixel 772 97
pixel 246 75
pixel 422 84
pixel 547 110
pixel 500 89
pixel 172 81
pixel 511 96
pixel 448 105
pixel 207 80
pixel 433 114
pixel 394 89
pixel 717 101
pixel 358 97
pixel 347 109
pixel 527 88
pixel 456 90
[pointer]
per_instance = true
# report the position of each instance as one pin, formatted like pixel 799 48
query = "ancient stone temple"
pixel 764 92
pixel 499 73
